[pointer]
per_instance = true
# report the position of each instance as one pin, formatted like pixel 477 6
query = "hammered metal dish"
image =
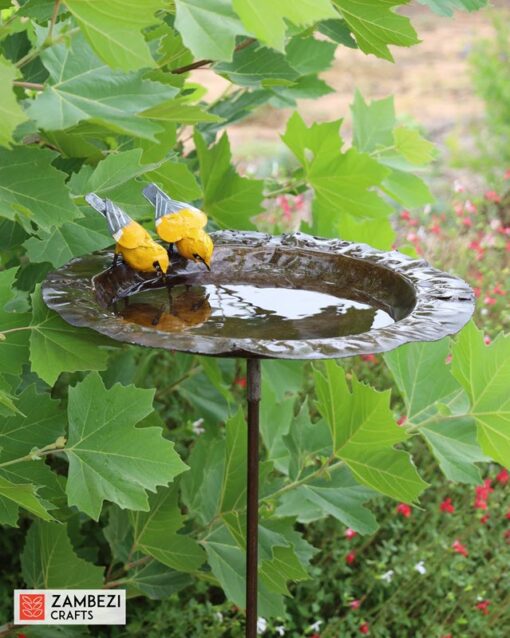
pixel 426 304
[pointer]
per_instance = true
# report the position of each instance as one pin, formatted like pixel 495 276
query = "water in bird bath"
pixel 240 311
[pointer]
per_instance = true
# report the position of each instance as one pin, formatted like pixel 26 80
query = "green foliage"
pixel 99 97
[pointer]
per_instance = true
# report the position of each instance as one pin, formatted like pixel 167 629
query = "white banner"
pixel 69 607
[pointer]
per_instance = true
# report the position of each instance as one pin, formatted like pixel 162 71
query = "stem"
pixel 32 456
pixel 200 63
pixel 6 332
pixel 308 477
pixel 31 55
pixel 54 16
pixel 29 85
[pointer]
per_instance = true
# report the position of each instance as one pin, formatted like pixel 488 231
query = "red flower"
pixel 489 301
pixel 482 493
pixel 350 558
pixel 402 420
pixel 370 358
pixel 498 290
pixel 478 291
pixel 355 604
pixel 447 506
pixel 484 519
pixel 404 509
pixel 507 516
pixel 503 477
pixel 435 228
pixel 241 382
pixel 487 340
pixel 492 196
pixel 467 221
pixel 447 636
pixel 405 215
pixel 458 547
pixel 507 174
pixel 364 628
pixel 483 606
pixel 350 533
pixel 315 636
pixel 506 535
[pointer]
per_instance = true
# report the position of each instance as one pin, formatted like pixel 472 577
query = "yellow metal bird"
pixel 181 224
pixel 134 243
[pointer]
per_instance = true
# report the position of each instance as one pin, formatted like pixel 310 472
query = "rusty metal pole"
pixel 253 382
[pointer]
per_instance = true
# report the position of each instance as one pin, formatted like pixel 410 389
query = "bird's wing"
pixel 165 205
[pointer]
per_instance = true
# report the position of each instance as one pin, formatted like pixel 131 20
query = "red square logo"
pixel 31 606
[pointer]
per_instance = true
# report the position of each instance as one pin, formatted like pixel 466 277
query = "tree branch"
pixel 200 63
pixel 29 85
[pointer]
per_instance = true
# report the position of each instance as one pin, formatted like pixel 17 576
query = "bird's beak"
pixel 205 263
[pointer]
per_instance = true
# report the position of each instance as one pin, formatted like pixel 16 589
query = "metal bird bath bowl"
pixel 289 297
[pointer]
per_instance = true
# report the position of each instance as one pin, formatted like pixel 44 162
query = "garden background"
pixel 341 554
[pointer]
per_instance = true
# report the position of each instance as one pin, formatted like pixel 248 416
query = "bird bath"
pixel 289 297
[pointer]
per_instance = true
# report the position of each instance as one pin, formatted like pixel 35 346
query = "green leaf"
pixel 342 181
pixel 276 418
pixel 447 7
pixel 157 581
pixel 375 25
pixel 229 199
pixel 364 432
pixel 179 111
pixel 73 239
pixel 234 478
pixel 483 371
pixel 177 180
pixel 109 458
pixel 254 67
pixel 14 345
pixel 407 189
pixel 266 19
pixel 308 55
pixel 49 561
pixel 56 346
pixel 201 486
pixel 208 27
pixel 305 440
pixel 82 88
pixel 11 113
pixel 39 423
pixel 428 387
pixel 282 567
pixel 113 30
pixel 115 170
pixel 43 198
pixel 338 31
pixel 339 496
pixel 227 561
pixel 378 233
pixel 413 147
pixel 16 495
pixel 155 533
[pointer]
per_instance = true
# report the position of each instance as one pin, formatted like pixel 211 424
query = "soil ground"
pixel 430 81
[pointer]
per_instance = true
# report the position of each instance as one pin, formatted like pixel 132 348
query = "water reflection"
pixel 244 311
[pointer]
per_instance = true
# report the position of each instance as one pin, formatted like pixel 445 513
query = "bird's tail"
pixel 163 204
pixel 116 218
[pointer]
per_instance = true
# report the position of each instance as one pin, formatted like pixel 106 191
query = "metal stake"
pixel 252 497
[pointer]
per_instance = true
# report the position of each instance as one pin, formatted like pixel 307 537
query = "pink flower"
pixel 467 221
pixel 405 215
pixel 483 606
pixel 350 533
pixel 487 340
pixel 402 420
pixel 492 196
pixel 498 290
pixel 404 509
pixel 355 604
pixel 489 301
pixel 469 207
pixel 503 477
pixel 364 628
pixel 447 506
pixel 458 547
pixel 350 558
pixel 507 174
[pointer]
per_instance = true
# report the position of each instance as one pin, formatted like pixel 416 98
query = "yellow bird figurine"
pixel 181 224
pixel 134 243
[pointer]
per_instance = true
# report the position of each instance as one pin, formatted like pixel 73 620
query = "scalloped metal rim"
pixel 444 304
